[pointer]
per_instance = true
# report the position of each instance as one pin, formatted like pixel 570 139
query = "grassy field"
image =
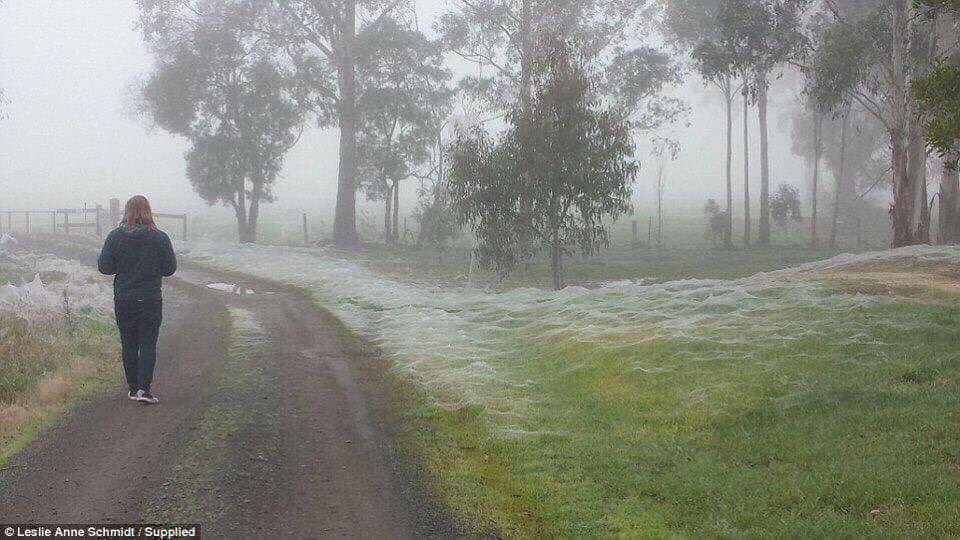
pixel 685 252
pixel 819 404
pixel 797 438
pixel 620 262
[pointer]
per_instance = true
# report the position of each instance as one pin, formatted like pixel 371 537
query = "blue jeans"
pixel 139 323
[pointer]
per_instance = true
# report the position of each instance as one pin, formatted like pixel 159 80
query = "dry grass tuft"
pixel 43 367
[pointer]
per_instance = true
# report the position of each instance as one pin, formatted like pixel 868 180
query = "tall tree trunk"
pixel 660 210
pixel 396 212
pixel 839 183
pixel 903 193
pixel 388 216
pixel 922 34
pixel 910 213
pixel 764 236
pixel 746 165
pixel 948 230
pixel 254 218
pixel 949 222
pixel 817 150
pixel 728 101
pixel 345 218
pixel 917 170
pixel 526 86
pixel 240 209
pixel 556 262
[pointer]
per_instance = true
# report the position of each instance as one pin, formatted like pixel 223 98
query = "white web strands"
pixel 86 292
pixel 471 346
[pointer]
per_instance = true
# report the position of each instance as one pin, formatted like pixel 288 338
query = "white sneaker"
pixel 146 397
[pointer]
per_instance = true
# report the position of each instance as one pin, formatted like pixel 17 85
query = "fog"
pixel 69 137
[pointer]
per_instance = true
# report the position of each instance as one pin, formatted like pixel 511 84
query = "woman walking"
pixel 139 255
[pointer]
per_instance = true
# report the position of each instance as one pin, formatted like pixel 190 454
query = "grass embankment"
pixel 805 437
pixel 46 366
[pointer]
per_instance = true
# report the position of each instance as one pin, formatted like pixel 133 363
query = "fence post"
pixel 53 214
pixel 185 227
pixel 66 223
pixel 28 221
pixel 636 235
pixel 99 226
pixel 650 231
pixel 306 234
pixel 114 212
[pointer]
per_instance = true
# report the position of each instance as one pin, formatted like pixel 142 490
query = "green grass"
pixel 800 439
pixel 686 252
pixel 619 262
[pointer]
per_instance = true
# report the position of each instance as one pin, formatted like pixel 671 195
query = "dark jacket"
pixel 139 257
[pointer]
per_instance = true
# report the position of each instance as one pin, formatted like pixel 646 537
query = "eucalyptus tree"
pixel 568 159
pixel 505 38
pixel 721 58
pixel 690 25
pixel 936 94
pixel 765 34
pixel 664 150
pixel 847 139
pixel 323 40
pixel 403 100
pixel 892 47
pixel 219 86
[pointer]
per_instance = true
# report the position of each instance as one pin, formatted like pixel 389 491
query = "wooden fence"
pixel 92 220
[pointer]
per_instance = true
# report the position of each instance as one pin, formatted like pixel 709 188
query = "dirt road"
pixel 278 435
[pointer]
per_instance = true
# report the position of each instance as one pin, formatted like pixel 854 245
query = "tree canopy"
pixel 224 90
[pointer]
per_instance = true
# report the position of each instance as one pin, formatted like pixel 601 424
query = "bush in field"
pixel 785 205
pixel 438 223
pixel 717 221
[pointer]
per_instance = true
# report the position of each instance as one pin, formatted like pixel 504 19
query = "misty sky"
pixel 69 139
